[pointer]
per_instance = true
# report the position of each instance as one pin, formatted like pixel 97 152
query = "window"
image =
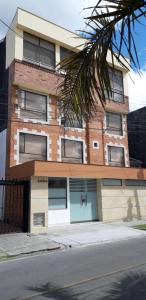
pixel 135 182
pixel 32 147
pixel 33 106
pixel 112 182
pixel 116 156
pixel 65 53
pixel 57 193
pixel 114 123
pixel 73 121
pixel 71 151
pixel 38 50
pixel 116 80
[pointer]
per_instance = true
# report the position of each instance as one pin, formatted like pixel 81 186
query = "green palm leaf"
pixel 86 79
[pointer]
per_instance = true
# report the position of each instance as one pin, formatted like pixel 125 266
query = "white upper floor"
pixel 26 22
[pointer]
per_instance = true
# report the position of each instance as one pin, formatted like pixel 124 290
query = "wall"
pixel 123 203
pixel 39 203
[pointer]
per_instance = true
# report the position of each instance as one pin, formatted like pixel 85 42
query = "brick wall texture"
pixel 38 79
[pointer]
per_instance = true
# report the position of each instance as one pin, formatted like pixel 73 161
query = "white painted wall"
pixel 3 136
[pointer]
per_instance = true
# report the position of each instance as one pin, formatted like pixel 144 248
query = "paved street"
pixel 79 273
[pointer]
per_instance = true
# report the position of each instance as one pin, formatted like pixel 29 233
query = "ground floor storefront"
pixel 61 200
pixel 63 193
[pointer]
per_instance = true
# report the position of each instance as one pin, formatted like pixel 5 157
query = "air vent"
pixel 39 219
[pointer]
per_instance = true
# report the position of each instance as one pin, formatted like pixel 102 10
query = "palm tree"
pixel 109 28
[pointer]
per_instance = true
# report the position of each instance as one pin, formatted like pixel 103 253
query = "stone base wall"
pixel 123 203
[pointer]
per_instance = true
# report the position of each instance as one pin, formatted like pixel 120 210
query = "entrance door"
pixel 14 206
pixel 83 200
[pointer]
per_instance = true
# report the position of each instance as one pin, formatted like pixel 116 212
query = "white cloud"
pixel 137 90
pixel 69 14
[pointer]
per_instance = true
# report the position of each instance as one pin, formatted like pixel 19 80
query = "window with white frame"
pixel 116 156
pixel 114 123
pixel 117 89
pixel 71 151
pixel 32 105
pixel 38 50
pixel 57 190
pixel 32 147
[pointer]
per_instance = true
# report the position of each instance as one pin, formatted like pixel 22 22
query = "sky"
pixel 70 14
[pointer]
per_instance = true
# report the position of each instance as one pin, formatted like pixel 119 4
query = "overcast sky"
pixel 70 14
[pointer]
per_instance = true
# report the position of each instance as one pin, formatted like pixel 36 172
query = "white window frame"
pixel 36 121
pixel 32 132
pixel 119 146
pixel 72 139
pixel 112 134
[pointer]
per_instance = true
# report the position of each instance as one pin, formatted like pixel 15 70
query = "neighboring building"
pixel 78 173
pixel 137 137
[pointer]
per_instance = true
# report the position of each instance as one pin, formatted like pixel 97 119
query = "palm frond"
pixel 86 79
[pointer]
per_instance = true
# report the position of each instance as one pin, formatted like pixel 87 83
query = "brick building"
pixel 77 172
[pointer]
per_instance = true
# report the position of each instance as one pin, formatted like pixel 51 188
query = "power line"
pixel 4 23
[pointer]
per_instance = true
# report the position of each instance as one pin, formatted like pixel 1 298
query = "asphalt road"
pixel 79 273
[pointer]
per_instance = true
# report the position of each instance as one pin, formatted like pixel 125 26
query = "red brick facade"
pixel 27 76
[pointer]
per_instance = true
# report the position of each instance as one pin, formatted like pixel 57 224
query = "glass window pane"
pixel 22 143
pixel 47 57
pixel 74 123
pixel 116 156
pixel 31 51
pixel 72 151
pixel 118 97
pixel 65 53
pixel 114 123
pixel 39 50
pixel 112 182
pixel 57 182
pixel 57 203
pixel 116 80
pixel 31 38
pixel 135 182
pixel 35 144
pixel 35 147
pixel 33 106
pixel 35 102
pixel 47 45
pixel 57 191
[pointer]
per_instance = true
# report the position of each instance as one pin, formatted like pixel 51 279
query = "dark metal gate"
pixel 14 206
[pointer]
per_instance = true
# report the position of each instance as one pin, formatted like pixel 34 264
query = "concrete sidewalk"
pixel 85 234
pixel 22 243
pixel 72 235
